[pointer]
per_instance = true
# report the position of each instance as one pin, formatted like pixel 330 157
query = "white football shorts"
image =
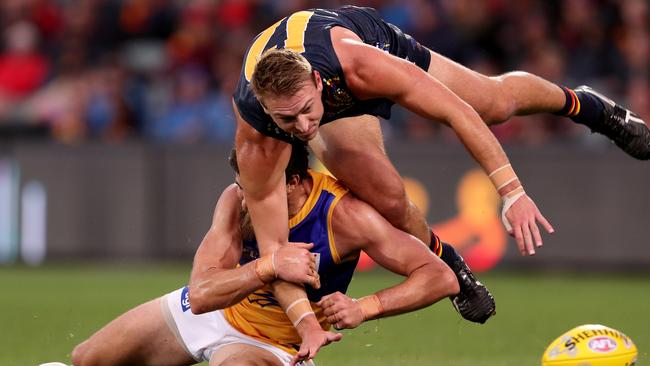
pixel 204 334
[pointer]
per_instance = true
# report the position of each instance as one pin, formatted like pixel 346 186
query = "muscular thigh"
pixel 243 355
pixel 474 88
pixel 353 150
pixel 140 336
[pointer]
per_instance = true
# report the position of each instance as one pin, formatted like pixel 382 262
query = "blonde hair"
pixel 280 72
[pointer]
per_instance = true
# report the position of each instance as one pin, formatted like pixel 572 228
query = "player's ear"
pixel 318 80
pixel 292 183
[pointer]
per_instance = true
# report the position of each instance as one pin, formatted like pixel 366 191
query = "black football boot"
pixel 474 301
pixel 624 127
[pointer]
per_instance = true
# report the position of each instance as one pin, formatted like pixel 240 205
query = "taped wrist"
pixel 298 310
pixel 503 176
pixel 265 268
pixel 371 307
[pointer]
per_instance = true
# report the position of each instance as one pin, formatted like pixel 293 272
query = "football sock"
pixel 448 255
pixel 436 244
pixel 581 107
pixel 443 250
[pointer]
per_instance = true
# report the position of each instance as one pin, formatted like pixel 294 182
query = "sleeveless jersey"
pixel 308 32
pixel 259 315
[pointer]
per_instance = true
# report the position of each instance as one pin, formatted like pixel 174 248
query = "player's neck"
pixel 299 196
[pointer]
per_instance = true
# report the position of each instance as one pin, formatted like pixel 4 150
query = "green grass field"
pixel 46 311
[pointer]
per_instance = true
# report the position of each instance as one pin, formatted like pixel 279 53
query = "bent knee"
pixel 448 281
pixel 388 198
pixel 502 105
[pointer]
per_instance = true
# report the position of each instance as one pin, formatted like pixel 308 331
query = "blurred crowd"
pixel 164 70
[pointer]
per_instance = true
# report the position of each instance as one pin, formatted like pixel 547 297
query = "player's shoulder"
pixel 326 182
pixel 230 191
pixel 355 221
pixel 347 205
pixel 229 199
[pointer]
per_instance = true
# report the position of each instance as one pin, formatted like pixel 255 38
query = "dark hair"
pixel 298 162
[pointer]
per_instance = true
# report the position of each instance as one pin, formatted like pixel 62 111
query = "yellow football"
pixel 591 345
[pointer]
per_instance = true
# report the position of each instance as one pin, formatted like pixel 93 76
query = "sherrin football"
pixel 591 345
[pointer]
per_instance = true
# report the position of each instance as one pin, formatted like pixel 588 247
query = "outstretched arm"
pixel 372 73
pixel 427 280
pixel 262 161
pixel 216 282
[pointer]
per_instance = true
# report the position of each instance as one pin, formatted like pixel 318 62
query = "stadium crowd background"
pixel 164 70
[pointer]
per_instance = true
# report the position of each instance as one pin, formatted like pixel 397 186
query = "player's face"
pixel 299 114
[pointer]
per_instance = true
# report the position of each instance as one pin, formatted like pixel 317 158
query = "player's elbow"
pixel 199 301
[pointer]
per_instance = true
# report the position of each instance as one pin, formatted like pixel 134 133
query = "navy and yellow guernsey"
pixel 308 32
pixel 259 315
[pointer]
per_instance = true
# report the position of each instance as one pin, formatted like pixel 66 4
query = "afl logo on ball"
pixel 602 344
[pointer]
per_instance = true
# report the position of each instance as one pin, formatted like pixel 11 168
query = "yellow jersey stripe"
pixel 296 27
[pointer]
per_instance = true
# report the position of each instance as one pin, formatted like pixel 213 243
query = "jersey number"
pixel 296 26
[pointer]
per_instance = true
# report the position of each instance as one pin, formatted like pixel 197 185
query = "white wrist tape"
pixel 303 316
pixel 298 310
pixel 508 201
pixel 295 303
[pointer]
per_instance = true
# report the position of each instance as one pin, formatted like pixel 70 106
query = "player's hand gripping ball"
pixel 591 345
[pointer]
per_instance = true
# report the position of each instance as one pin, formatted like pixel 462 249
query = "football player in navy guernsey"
pixel 228 314
pixel 325 77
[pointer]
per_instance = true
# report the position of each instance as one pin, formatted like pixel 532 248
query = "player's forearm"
pixel 263 182
pixel 423 287
pixel 487 151
pixel 220 288
pixel 479 140
pixel 293 300
pixel 270 220
pixel 430 99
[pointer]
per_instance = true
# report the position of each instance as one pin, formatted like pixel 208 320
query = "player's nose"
pixel 302 124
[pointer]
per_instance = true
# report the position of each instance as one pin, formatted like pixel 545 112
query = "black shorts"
pixel 373 30
pixel 414 51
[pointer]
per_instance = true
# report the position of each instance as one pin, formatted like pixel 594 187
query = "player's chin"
pixel 308 136
pixel 305 138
